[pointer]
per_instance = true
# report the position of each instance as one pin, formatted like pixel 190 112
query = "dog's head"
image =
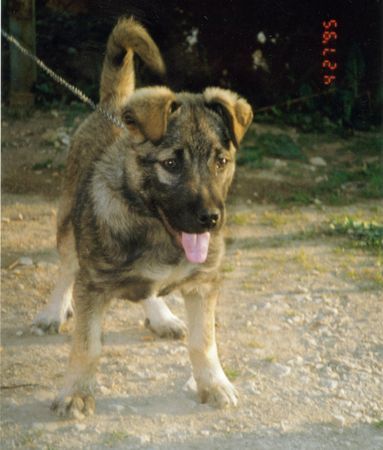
pixel 185 148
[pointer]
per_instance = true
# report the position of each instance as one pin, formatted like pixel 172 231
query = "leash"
pixel 60 80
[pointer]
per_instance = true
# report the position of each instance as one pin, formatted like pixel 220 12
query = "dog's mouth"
pixel 195 245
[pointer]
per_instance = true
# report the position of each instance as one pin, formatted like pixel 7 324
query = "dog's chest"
pixel 164 276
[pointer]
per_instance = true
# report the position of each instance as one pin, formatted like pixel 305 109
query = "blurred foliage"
pixel 72 41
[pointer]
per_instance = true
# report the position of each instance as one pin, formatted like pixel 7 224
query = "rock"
pixel 280 370
pixel 25 261
pixel 80 426
pixel 37 331
pixel 205 433
pixel 330 384
pixel 318 161
pixel 19 333
pixel 104 390
pixel 118 408
pixel 190 385
pixel 144 439
pixel 339 420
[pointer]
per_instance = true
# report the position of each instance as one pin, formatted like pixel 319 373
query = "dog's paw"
pixel 75 406
pixel 50 321
pixel 220 393
pixel 169 327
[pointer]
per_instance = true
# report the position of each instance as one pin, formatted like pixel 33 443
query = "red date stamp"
pixel 329 39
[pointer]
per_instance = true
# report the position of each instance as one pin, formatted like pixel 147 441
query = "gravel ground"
pixel 299 323
pixel 299 331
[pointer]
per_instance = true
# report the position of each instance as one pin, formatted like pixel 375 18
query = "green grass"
pixel 112 438
pixel 76 109
pixel 47 164
pixel 366 145
pixel 269 145
pixel 363 234
pixel 240 218
pixel 231 373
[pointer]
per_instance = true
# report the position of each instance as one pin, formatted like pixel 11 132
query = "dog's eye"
pixel 221 162
pixel 172 165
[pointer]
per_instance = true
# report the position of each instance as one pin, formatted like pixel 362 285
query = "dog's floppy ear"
pixel 147 111
pixel 236 112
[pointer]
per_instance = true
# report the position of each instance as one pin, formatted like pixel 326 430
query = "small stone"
pixel 19 333
pixel 25 261
pixel 339 420
pixel 280 371
pixel 190 385
pixel 330 384
pixel 104 390
pixel 43 264
pixel 37 331
pixel 118 408
pixel 205 433
pixel 144 439
pixel 80 426
pixel 318 161
pixel 302 289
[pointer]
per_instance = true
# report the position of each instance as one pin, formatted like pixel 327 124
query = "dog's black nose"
pixel 208 218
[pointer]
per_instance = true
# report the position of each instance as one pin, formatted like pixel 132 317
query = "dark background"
pixel 71 38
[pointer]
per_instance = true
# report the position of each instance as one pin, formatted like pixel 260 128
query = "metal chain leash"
pixel 77 92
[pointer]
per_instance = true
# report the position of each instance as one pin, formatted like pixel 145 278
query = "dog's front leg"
pixel 76 399
pixel 212 383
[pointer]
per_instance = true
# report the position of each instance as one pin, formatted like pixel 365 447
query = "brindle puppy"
pixel 147 208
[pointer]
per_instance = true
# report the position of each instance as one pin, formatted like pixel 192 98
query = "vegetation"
pixel 361 233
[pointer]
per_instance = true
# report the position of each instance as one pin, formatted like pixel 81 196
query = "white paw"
pixel 169 327
pixel 218 392
pixel 161 320
pixel 50 320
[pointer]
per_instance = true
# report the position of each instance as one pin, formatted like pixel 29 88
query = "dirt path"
pixel 299 331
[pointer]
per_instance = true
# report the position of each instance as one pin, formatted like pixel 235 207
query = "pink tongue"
pixel 196 246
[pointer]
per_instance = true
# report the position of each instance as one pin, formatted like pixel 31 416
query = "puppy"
pixel 143 211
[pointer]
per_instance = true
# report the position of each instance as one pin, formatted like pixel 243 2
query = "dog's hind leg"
pixel 212 383
pixel 59 307
pixel 161 320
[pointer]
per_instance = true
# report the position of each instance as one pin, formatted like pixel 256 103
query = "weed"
pixel 232 373
pixel 274 219
pixel 270 359
pixel 278 146
pixel 75 110
pixel 240 219
pixel 268 145
pixel 47 164
pixel 226 268
pixel 365 145
pixel 255 344
pixel 362 234
pixel 112 438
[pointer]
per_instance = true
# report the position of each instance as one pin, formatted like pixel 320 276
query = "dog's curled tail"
pixel 118 77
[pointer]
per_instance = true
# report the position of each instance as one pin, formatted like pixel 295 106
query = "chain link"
pixel 77 92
